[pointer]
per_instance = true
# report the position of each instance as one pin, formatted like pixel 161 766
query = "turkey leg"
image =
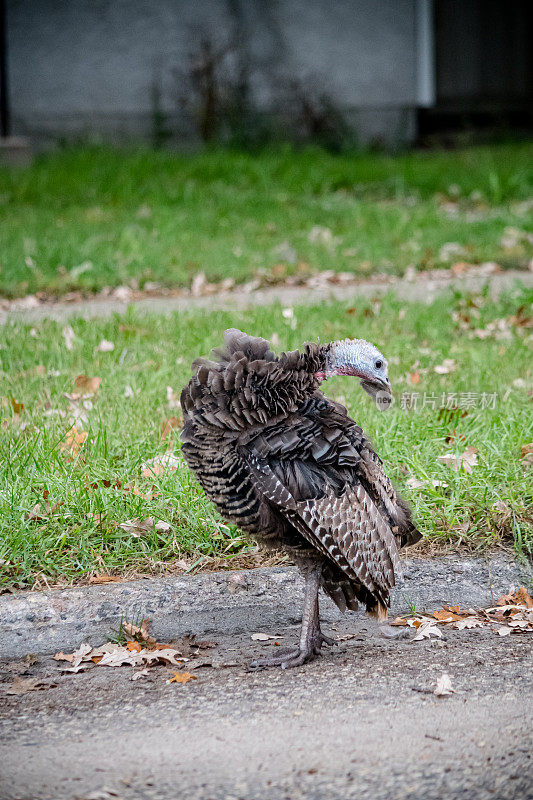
pixel 311 637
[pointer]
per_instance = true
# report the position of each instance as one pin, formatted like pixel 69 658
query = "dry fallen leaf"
pixel 505 599
pixel 101 578
pixel 523 597
pixel 520 597
pixel 504 631
pixel 61 656
pixel 198 284
pixel 426 630
pixel 105 346
pixel 160 465
pixel 78 407
pixel 526 453
pixel 181 677
pixel 81 654
pixel 449 250
pixel 119 657
pixel 416 483
pixel 444 686
pixel 467 622
pixel 142 673
pixel 180 563
pixel 115 655
pixel 22 667
pixel 137 527
pixel 74 440
pixel 447 366
pixel 188 645
pixel 24 685
pixel 443 615
pixel 453 437
pixel 518 623
pixel 173 400
pixel 513 614
pixel 35 514
pixel 139 632
pixel 498 612
pixel 87 386
pixel 17 407
pixel 39 513
pixel 501 507
pixel 68 336
pixel 453 609
pixel 466 460
pixel 322 235
pixel 168 426
pixel 82 667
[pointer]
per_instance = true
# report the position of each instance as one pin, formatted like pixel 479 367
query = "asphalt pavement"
pixel 360 722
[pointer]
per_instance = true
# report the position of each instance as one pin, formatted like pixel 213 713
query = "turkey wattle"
pixel 288 465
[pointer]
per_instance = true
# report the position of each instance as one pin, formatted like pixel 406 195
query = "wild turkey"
pixel 288 465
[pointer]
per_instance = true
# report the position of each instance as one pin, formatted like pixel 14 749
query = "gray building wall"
pixel 79 67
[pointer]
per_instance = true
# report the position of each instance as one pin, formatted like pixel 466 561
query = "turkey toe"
pixel 285 660
pixel 394 633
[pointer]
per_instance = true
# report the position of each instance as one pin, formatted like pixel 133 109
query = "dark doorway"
pixel 483 69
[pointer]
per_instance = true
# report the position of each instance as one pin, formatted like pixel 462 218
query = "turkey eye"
pixel 378 364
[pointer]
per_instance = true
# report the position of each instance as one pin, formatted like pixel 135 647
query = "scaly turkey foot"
pixel 311 637
pixel 319 639
pixel 390 632
pixel 285 659
pixel 294 657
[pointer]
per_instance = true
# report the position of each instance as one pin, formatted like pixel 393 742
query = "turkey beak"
pixel 380 391
pixel 386 387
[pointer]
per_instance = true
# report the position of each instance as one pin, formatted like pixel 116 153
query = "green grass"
pixel 151 353
pixel 83 219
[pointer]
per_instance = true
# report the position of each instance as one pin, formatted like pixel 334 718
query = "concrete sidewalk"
pixel 424 288
pixel 229 602
pixel 360 722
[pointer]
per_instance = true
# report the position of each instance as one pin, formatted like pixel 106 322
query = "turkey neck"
pixel 284 385
pixel 306 368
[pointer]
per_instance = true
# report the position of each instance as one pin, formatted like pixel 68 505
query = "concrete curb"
pixel 423 289
pixel 228 602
